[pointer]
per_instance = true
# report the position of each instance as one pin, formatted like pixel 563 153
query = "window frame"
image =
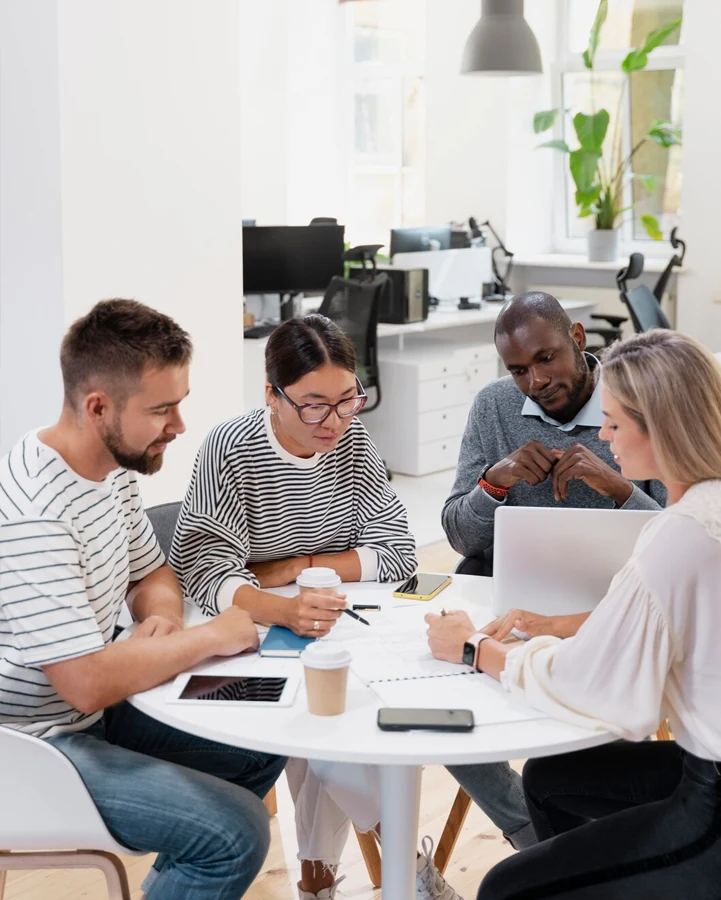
pixel 354 75
pixel 665 57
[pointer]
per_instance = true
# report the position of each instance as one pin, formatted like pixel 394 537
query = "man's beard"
pixel 145 463
pixel 582 373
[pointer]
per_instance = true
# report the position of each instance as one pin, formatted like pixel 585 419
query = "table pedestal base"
pixel 400 803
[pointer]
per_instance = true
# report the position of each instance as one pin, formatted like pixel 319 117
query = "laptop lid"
pixel 560 561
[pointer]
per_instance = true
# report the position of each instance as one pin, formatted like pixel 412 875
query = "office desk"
pixel 293 731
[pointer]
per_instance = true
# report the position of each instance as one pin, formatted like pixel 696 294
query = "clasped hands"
pixel 534 462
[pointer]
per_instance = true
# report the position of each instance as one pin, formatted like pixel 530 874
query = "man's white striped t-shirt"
pixel 69 548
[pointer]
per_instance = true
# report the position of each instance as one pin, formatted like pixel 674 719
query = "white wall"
pixel 149 160
pixel 697 313
pixel 31 315
pixel 466 122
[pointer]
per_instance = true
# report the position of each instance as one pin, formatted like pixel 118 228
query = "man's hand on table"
pixel 158 626
pixel 447 634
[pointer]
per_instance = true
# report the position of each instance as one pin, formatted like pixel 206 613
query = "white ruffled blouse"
pixel 652 648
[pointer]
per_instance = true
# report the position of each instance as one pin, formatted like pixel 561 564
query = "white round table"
pixel 355 738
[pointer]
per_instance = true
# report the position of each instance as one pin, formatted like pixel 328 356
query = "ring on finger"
pixel 316 625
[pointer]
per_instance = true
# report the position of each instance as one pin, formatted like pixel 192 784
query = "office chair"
pixel 353 304
pixel 323 220
pixel 643 303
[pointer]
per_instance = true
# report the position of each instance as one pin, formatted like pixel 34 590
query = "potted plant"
pixel 600 177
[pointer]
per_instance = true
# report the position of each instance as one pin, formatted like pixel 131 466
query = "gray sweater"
pixel 496 428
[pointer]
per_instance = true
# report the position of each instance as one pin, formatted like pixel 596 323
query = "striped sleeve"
pixel 43 594
pixel 143 547
pixel 383 522
pixel 211 545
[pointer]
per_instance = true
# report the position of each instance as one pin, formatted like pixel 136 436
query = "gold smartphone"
pixel 423 586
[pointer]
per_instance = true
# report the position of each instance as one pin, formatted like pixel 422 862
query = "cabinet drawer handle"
pixel 445 386
pixel 443 447
pixel 443 416
pixel 445 369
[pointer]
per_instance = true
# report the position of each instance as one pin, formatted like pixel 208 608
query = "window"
pixel 385 118
pixel 654 93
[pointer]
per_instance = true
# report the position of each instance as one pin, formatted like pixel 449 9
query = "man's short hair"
pixel 115 344
pixel 532 305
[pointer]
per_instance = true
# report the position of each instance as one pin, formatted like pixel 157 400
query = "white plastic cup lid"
pixel 318 577
pixel 325 655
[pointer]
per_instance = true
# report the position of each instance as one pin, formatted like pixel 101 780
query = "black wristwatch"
pixel 470 648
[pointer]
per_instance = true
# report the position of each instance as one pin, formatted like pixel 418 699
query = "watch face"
pixel 469 654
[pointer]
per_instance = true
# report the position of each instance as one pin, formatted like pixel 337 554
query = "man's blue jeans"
pixel 498 790
pixel 196 803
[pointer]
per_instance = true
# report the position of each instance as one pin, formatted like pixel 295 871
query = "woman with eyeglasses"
pixel 281 489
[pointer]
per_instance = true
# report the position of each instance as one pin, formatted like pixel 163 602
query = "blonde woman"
pixel 650 812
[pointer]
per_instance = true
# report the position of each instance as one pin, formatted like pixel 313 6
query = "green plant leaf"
pixel 665 134
pixel 588 198
pixel 584 166
pixel 556 145
pixel 595 35
pixel 648 181
pixel 650 223
pixel 546 119
pixel 638 59
pixel 591 130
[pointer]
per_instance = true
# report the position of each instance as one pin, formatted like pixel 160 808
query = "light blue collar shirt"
pixel 589 415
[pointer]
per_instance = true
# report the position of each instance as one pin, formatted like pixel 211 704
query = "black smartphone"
pixel 390 719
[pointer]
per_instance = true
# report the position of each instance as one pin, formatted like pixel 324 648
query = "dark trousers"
pixel 620 821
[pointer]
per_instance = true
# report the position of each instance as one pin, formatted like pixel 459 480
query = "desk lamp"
pixel 501 291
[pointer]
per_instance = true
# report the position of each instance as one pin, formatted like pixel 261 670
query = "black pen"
pixel 356 616
pixel 359 607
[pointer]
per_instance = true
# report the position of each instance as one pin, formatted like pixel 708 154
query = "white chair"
pixel 49 820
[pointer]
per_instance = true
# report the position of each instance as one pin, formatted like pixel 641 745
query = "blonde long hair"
pixel 671 386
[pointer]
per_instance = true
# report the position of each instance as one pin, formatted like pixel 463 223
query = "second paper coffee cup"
pixel 326 677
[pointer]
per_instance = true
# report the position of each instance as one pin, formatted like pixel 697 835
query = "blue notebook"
pixel 283 642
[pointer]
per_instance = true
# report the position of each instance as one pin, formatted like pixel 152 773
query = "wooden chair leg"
pixel 112 867
pixel 452 830
pixel 271 804
pixel 663 734
pixel 371 855
pixel 3 876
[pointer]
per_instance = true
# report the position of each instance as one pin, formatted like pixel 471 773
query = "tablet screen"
pixel 233 688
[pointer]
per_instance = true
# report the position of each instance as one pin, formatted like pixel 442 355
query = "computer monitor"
pixel 412 240
pixel 452 274
pixel 290 259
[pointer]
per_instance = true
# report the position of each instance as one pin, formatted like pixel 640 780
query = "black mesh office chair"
pixel 643 303
pixel 353 304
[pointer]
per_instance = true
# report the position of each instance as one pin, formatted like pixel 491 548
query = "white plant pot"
pixel 603 245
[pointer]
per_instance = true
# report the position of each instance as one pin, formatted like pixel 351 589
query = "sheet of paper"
pixel 484 696
pixel 395 645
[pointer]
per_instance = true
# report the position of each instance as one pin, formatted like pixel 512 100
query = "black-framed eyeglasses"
pixel 315 413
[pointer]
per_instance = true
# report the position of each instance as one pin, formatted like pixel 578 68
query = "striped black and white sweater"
pixel 250 501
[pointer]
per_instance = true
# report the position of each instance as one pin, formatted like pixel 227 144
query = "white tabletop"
pixel 354 736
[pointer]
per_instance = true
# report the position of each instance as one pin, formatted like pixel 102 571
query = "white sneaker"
pixel 430 884
pixel 326 894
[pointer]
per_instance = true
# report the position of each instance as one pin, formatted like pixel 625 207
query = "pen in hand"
pixel 356 616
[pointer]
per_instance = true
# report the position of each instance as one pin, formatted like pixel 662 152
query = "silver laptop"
pixel 559 561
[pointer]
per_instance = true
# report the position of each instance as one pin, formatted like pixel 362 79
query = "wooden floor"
pixel 479 847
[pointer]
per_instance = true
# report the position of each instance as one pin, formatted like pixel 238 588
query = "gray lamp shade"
pixel 502 42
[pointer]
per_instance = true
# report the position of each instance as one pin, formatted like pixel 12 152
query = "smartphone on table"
pixel 398 719
pixel 422 586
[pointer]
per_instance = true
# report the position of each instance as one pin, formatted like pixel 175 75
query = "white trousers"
pixel 327 797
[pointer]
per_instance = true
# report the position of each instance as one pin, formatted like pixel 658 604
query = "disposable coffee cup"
pixel 319 578
pixel 326 677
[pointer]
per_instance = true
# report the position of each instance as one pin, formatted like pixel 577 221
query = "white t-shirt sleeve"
pixel 611 674
pixel 143 547
pixel 43 592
